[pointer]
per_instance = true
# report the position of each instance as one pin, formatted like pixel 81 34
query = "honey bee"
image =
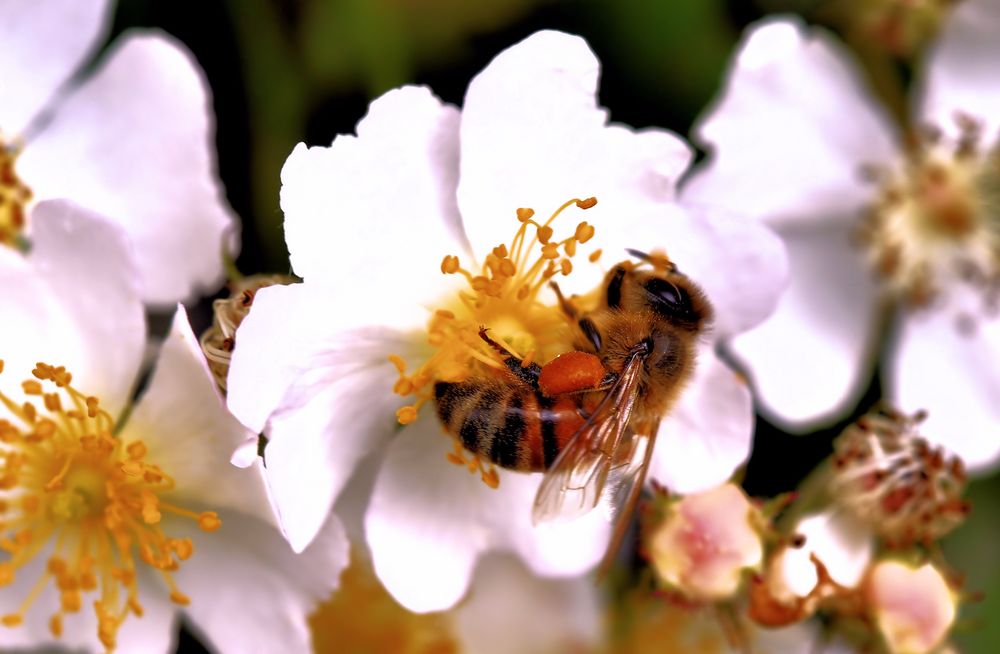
pixel 589 417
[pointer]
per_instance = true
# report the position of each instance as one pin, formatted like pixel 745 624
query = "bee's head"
pixel 664 291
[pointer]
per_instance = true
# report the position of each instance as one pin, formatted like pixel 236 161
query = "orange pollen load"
pixel 504 290
pixel 14 196
pixel 69 488
pixel 893 480
pixel 501 295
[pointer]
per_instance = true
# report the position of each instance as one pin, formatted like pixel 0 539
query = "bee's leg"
pixel 564 304
pixel 586 325
pixel 525 371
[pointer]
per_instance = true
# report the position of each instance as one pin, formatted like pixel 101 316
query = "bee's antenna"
pixel 638 254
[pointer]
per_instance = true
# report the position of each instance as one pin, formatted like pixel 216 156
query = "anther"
pixel 209 521
pixel 450 264
pixel 406 414
pixel 586 204
pixel 524 215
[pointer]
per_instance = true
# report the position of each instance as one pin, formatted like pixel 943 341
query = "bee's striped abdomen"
pixel 508 423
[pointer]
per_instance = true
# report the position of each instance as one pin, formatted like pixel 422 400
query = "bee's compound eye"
pixel 668 299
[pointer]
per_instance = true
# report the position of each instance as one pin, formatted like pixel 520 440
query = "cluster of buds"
pixel 867 558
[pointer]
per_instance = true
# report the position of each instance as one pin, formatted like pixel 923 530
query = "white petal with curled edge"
pixel 960 71
pixel 136 144
pixel 189 433
pixel 790 129
pixel 368 203
pixel 250 593
pixel 429 520
pixel 740 264
pixel 41 45
pixel 89 268
pixel 323 394
pixel 707 435
pixel 949 373
pixel 842 544
pixel 533 136
pixel 810 359
pixel 508 609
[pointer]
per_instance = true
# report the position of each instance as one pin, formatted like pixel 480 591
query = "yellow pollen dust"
pixel 501 294
pixel 90 502
pixel 14 196
pixel 936 220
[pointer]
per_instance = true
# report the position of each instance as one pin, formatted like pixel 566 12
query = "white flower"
pixel 367 222
pixel 791 134
pixel 114 522
pixel 132 140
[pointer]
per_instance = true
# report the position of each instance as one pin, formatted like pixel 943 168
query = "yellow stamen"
pixel 88 498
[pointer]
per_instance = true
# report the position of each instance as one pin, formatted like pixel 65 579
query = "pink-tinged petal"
pixel 948 372
pixel 189 433
pixel 89 270
pixel 42 43
pixel 810 360
pixel 791 129
pixel 508 609
pixel 708 434
pixel 914 607
pixel 345 222
pixel 960 72
pixel 740 264
pixel 250 593
pixel 135 142
pixel 429 520
pixel 533 136
pixel 321 387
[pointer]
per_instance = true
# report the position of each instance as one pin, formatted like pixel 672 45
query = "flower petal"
pixel 323 393
pixel 827 318
pixel 508 609
pixel 189 433
pixel 791 129
pixel 533 136
pixel 429 520
pixel 41 45
pixel 76 298
pixel 250 593
pixel 708 434
pixel 336 198
pixel 135 143
pixel 841 544
pixel 960 71
pixel 936 367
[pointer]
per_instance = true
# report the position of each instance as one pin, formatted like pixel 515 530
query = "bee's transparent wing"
pixel 597 461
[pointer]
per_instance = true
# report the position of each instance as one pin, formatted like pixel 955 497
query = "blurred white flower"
pixel 133 140
pixel 507 609
pixel 797 141
pixel 367 222
pixel 114 520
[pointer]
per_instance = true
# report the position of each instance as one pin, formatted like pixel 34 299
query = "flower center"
pixel 503 296
pixel 361 616
pixel 890 478
pixel 14 195
pixel 936 220
pixel 73 492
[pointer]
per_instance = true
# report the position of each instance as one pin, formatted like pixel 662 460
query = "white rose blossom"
pixel 368 221
pixel 133 139
pixel 871 218
pixel 116 521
